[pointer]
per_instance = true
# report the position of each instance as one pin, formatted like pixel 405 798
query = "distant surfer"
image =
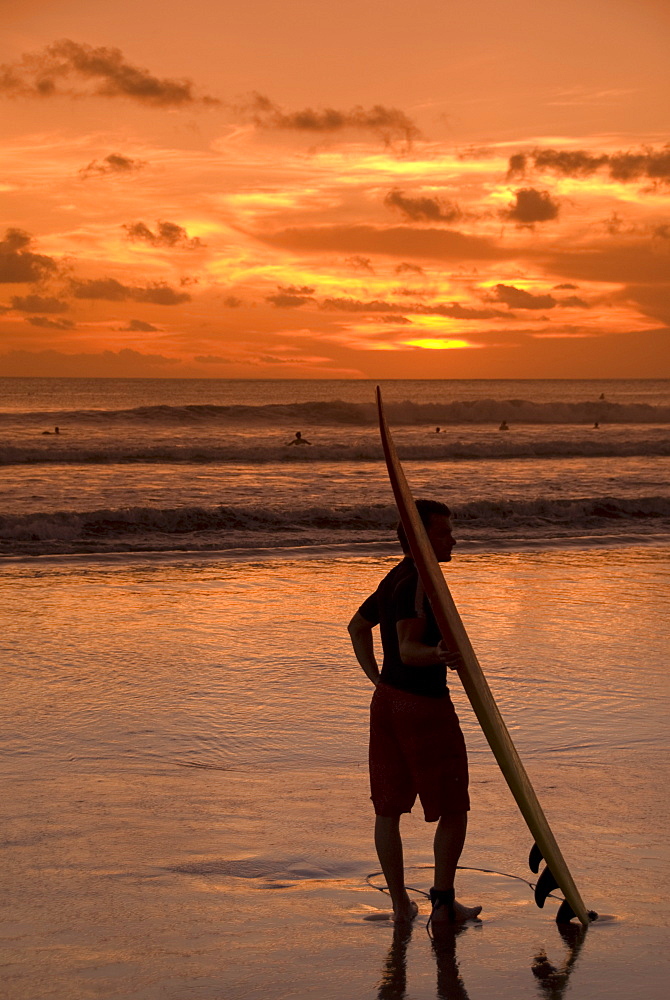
pixel 504 426
pixel 416 743
pixel 56 431
pixel 437 430
pixel 596 426
pixel 298 439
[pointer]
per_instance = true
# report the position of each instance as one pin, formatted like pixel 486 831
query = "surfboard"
pixel 556 873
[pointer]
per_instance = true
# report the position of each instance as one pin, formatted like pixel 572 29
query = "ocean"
pixel 183 723
pixel 191 465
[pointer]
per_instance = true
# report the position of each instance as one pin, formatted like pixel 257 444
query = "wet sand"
pixel 160 843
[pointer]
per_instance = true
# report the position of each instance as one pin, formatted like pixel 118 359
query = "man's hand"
pixel 450 659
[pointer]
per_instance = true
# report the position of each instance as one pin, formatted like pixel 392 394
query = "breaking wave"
pixel 340 413
pixel 224 527
pixel 441 447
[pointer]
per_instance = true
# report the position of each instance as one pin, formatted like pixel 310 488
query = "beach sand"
pixel 186 806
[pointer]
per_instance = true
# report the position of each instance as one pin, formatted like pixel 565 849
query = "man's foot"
pixel 442 915
pixel 406 913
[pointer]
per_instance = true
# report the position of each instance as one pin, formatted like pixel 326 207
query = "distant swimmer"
pixel 298 439
pixel 596 426
pixel 601 396
pixel 437 430
pixel 504 426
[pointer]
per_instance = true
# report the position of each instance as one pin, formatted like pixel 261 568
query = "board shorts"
pixel 416 748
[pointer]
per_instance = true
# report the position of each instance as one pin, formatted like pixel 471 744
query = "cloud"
pixel 114 163
pixel 102 364
pixel 111 290
pixel 39 303
pixel 360 263
pixel 517 298
pixel 48 73
pixel 531 206
pixel 422 209
pixel 232 302
pixel 18 264
pixel 389 123
pixel 168 234
pixel 291 296
pixel 50 324
pixel 565 285
pixel 139 326
pixel 662 232
pixel 648 163
pixel 453 309
pixel 398 241
pixel 406 268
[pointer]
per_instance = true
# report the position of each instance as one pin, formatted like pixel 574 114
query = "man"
pixel 416 744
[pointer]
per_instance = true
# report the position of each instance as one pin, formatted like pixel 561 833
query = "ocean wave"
pixel 340 413
pixel 441 447
pixel 223 527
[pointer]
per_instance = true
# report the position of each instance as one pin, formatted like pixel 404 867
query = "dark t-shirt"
pixel 401 595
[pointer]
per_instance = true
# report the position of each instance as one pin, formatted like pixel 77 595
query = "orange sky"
pixel 342 189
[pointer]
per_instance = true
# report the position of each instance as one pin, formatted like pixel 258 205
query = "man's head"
pixel 436 519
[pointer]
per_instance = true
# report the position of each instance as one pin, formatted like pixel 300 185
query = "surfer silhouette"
pixel 416 743
pixel 298 439
pixel 437 430
pixel 504 426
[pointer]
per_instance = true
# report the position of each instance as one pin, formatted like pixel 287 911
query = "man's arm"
pixel 360 631
pixel 415 653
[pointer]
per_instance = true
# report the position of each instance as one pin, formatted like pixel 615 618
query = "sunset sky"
pixel 336 189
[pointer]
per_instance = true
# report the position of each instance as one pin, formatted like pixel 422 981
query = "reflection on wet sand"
pixel 551 981
pixel 450 986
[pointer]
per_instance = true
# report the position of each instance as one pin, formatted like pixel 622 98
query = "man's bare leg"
pixel 448 844
pixel 389 852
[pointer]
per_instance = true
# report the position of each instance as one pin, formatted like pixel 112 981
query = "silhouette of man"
pixel 416 744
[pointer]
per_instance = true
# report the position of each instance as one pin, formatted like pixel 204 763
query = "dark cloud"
pixel 39 303
pixel 18 264
pixel 406 268
pixel 396 241
pixel 115 163
pixel 531 206
pixel 422 209
pixel 517 298
pixel 647 164
pixel 168 234
pixel 360 263
pixel 111 290
pixel 573 301
pixel 139 326
pixel 390 124
pixel 291 296
pixel 566 285
pixel 51 72
pixel 453 310
pixel 125 363
pixel 232 302
pixel 662 232
pixel 50 324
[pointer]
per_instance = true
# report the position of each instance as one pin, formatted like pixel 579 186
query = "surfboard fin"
pixel 565 913
pixel 545 884
pixel 534 858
